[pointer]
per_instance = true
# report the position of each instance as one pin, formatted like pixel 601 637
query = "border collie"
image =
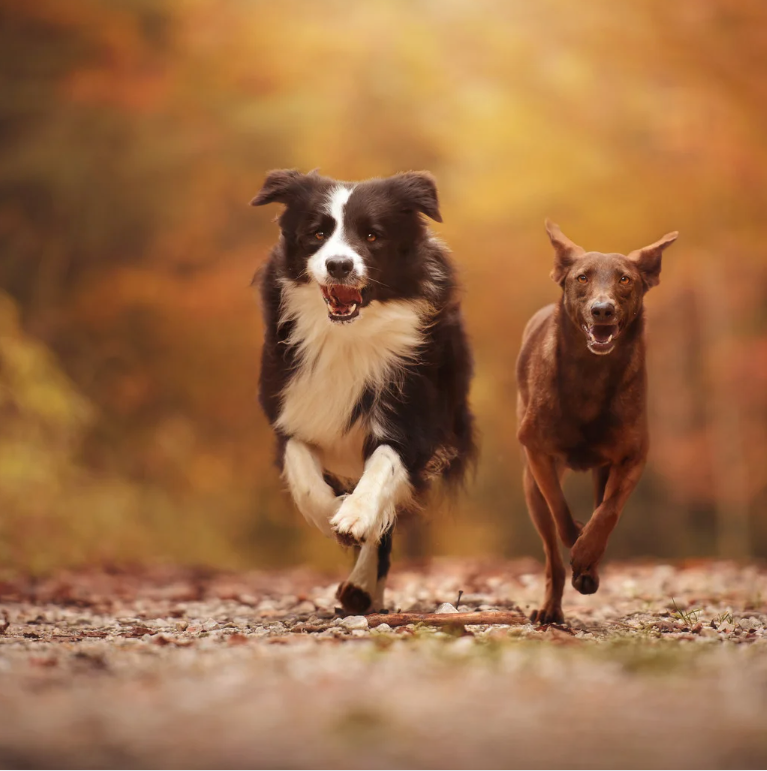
pixel 366 366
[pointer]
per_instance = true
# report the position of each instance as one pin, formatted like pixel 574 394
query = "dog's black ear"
pixel 565 252
pixel 648 260
pixel 419 190
pixel 280 187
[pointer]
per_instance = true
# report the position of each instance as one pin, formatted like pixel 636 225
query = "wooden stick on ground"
pixel 448 619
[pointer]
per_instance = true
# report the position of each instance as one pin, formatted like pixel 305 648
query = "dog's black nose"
pixel 339 267
pixel 602 311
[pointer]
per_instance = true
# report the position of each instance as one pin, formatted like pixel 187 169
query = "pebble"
pixel 353 622
pixel 446 607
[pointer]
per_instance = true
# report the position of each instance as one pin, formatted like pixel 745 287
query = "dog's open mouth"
pixel 600 338
pixel 343 301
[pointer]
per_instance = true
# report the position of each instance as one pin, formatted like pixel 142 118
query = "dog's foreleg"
pixel 371 509
pixel 590 547
pixel 313 496
pixel 545 473
pixel 363 591
pixel 551 611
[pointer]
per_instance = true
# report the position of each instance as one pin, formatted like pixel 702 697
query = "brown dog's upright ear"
pixel 280 186
pixel 648 260
pixel 419 190
pixel 565 252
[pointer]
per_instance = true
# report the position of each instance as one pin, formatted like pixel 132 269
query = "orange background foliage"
pixel 133 133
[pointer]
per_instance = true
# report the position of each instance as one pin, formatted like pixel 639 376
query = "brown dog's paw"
pixel 586 583
pixel 548 614
pixel 353 599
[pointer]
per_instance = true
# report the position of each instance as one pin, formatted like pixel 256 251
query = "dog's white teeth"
pixel 352 307
pixel 610 339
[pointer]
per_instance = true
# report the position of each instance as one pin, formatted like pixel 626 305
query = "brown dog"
pixel 582 402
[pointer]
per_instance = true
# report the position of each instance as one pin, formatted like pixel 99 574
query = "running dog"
pixel 366 366
pixel 582 402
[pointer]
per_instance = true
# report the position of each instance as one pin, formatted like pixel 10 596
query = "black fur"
pixel 384 555
pixel 429 414
pixel 426 413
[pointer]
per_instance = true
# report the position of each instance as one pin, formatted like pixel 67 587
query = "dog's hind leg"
pixel 551 611
pixel 547 476
pixel 384 563
pixel 363 591
pixel 621 479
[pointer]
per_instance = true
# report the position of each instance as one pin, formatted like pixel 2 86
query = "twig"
pixel 447 619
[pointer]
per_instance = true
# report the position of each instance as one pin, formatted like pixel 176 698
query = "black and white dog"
pixel 366 366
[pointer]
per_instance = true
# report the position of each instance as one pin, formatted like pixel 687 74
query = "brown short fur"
pixel 582 402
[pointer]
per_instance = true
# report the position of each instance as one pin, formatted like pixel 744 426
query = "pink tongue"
pixel 602 334
pixel 345 295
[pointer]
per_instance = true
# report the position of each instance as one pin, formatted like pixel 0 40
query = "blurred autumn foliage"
pixel 133 134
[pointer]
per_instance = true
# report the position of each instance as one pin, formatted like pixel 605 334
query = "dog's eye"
pixel 582 279
pixel 625 280
pixel 320 235
pixel 371 237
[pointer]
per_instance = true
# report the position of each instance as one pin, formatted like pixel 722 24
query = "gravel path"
pixel 663 667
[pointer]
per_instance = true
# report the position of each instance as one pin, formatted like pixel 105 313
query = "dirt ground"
pixel 666 666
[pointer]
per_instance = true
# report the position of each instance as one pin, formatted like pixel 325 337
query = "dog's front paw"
pixel 584 563
pixel 351 523
pixel 354 599
pixel 550 613
pixel 586 583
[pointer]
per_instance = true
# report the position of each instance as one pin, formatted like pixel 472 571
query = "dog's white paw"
pixel 353 521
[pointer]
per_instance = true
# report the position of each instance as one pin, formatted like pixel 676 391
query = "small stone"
pixel 382 628
pixel 354 622
pixel 446 607
pixel 304 607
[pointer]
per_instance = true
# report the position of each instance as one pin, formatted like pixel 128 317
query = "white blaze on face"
pixel 337 245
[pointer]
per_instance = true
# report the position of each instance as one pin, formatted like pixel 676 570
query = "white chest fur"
pixel 337 362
